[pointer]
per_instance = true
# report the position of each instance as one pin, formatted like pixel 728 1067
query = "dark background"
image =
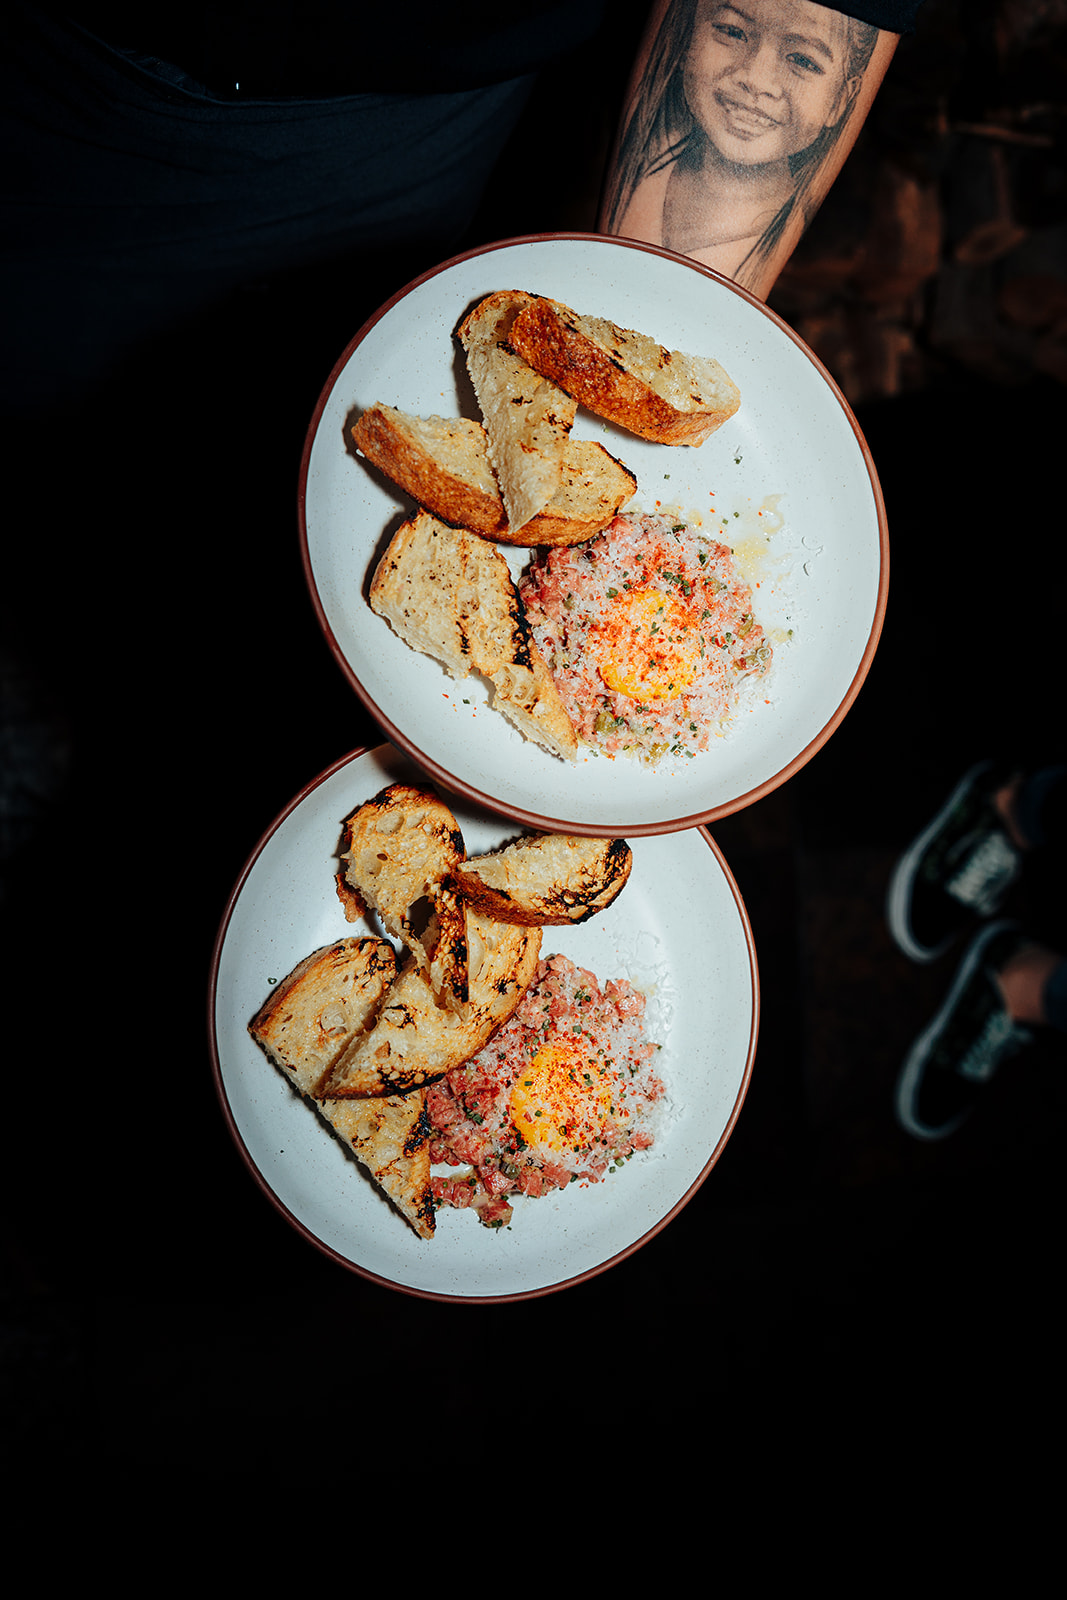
pixel 167 692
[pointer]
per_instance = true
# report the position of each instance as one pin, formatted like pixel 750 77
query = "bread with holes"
pixel 623 375
pixel 527 416
pixel 413 1041
pixel 397 852
pixel 548 879
pixel 304 1027
pixel 449 594
pixel 443 464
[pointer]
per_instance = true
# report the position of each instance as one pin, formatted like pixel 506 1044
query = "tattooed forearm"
pixel 738 119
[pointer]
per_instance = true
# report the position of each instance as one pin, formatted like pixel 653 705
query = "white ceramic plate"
pixel 679 922
pixel 823 575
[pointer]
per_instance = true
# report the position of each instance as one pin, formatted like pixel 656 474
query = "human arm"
pixel 737 119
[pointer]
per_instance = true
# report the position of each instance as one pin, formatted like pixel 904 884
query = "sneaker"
pixel 960 1050
pixel 959 867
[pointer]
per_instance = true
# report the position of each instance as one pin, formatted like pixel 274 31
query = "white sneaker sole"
pixel 898 895
pixel 911 1073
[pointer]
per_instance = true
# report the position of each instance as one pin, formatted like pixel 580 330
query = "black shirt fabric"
pixel 337 47
pixel 894 16
pixel 315 47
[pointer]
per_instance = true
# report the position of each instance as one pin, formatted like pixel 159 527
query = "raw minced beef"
pixel 564 1092
pixel 649 633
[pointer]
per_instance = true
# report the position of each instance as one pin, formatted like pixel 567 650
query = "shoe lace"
pixel 999 1037
pixel 986 874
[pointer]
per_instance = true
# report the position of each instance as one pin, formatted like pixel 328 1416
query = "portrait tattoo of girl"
pixel 739 118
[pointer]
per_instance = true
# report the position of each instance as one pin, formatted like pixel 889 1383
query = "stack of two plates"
pixel 680 928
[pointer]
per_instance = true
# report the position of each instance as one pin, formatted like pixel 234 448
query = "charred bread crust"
pixel 550 880
pixel 527 416
pixel 594 486
pixel 391 1136
pixel 397 851
pixel 328 996
pixel 443 464
pixel 305 1026
pixel 413 1041
pixel 447 939
pixel 625 376
pixel 352 904
pixel 449 594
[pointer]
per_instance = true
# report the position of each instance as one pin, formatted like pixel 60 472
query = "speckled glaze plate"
pixel 679 929
pixel 793 451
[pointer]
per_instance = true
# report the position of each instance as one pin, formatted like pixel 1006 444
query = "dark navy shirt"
pixel 323 47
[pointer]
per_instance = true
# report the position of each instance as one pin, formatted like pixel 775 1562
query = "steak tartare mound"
pixel 564 1092
pixel 649 633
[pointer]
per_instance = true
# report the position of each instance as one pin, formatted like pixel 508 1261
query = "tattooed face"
pixel 764 77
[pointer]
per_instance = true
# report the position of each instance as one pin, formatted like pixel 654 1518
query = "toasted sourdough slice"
pixel 546 879
pixel 329 996
pixel 449 594
pixel 625 376
pixel 397 853
pixel 594 487
pixel 527 417
pixel 443 464
pixel 413 1041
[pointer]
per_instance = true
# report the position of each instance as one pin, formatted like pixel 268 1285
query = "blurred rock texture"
pixel 943 244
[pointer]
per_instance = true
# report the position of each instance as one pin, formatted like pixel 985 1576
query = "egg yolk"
pixel 647 648
pixel 563 1098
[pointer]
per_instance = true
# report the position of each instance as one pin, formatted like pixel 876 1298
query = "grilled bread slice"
pixel 397 852
pixel 443 464
pixel 625 376
pixel 306 1024
pixel 593 489
pixel 326 998
pixel 527 417
pixel 449 594
pixel 545 879
pixel 413 1041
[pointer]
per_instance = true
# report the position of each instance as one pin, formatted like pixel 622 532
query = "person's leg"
pixel 1054 996
pixel 1004 986
pixel 1032 982
pixel 963 863
pixel 1034 807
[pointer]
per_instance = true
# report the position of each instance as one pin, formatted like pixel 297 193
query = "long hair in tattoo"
pixel 662 129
